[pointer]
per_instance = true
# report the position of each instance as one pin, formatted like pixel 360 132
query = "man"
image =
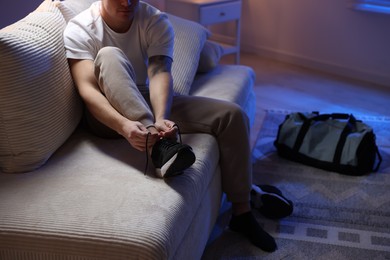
pixel 120 55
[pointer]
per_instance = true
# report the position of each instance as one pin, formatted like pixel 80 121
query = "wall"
pixel 12 11
pixel 323 34
pixel 160 4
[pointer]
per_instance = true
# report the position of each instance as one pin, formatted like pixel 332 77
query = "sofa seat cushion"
pixel 231 83
pixel 92 199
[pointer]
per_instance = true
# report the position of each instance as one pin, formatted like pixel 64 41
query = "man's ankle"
pixel 247 225
pixel 239 208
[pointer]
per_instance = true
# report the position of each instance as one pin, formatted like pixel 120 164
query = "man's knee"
pixel 108 52
pixel 111 59
pixel 237 113
pixel 108 55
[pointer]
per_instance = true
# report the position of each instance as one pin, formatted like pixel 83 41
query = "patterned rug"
pixel 335 216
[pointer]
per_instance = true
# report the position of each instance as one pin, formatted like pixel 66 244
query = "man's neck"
pixel 116 25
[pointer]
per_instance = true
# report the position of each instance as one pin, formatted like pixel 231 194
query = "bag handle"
pixel 323 117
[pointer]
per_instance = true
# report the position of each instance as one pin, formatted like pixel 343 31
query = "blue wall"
pixel 12 11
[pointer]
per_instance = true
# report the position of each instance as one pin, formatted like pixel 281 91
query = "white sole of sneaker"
pixel 258 203
pixel 161 172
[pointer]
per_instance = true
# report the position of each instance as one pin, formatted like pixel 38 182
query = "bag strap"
pixel 349 127
pixel 323 117
pixel 302 132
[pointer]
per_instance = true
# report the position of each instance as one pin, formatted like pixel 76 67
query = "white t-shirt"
pixel 150 34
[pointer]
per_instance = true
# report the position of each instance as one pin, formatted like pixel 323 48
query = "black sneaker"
pixel 171 158
pixel 270 202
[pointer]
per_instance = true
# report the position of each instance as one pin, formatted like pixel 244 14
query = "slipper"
pixel 270 202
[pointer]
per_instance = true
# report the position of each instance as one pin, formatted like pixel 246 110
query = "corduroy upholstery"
pixel 91 200
pixel 39 107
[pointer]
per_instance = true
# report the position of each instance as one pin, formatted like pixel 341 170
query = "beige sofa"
pixel 66 194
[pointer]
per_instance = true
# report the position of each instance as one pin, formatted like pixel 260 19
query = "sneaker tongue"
pixel 162 146
pixel 166 143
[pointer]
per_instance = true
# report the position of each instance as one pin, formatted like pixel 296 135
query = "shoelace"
pixel 147 149
pixel 178 131
pixel 147 154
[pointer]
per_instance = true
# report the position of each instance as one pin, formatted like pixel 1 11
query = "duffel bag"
pixel 334 142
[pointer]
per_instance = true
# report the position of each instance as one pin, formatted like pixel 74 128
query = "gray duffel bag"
pixel 333 142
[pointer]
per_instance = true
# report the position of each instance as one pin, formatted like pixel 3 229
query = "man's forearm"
pixel 160 86
pixel 103 111
pixel 161 93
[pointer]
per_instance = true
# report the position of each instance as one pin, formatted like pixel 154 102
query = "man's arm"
pixel 161 92
pixel 98 105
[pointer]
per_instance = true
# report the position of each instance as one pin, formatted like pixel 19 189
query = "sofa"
pixel 67 194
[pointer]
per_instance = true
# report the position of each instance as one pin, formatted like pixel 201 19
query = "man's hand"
pixel 136 134
pixel 166 129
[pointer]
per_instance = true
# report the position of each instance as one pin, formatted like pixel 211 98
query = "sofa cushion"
pixel 38 102
pixel 209 56
pixel 93 201
pixel 188 44
pixel 190 38
pixel 70 8
pixel 231 83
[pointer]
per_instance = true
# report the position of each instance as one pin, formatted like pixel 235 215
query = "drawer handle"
pixel 222 14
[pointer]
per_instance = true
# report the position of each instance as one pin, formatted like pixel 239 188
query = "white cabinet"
pixel 210 12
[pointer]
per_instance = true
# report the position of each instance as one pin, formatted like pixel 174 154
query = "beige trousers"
pixel 224 120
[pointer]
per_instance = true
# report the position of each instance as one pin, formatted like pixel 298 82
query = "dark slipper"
pixel 270 202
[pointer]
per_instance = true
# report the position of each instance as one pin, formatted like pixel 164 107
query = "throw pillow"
pixel 210 56
pixel 190 38
pixel 39 105
pixel 71 8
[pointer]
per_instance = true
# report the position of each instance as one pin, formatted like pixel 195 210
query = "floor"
pixel 281 86
pixel 287 87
